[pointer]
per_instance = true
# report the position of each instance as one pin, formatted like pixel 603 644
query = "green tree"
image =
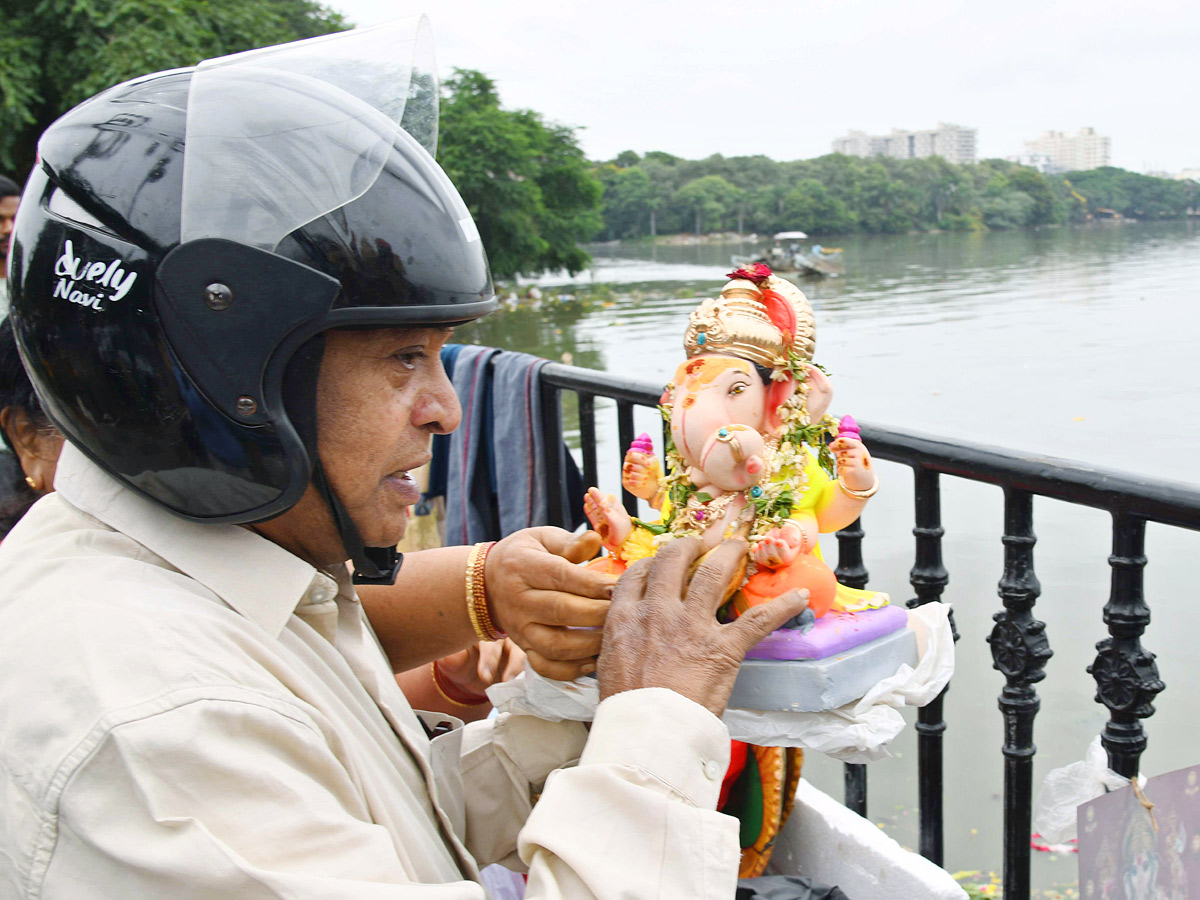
pixel 836 193
pixel 812 208
pixel 709 198
pixel 629 202
pixel 1133 195
pixel 884 204
pixel 1012 209
pixel 57 53
pixel 526 182
pixel 1034 185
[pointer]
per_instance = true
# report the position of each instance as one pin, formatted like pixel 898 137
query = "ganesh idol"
pixel 751 453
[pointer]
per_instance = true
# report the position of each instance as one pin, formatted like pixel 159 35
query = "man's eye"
pixel 409 358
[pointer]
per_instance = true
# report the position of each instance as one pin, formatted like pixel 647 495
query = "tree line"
pixel 532 191
pixel 836 194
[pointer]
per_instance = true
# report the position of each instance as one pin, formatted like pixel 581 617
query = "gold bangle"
pixel 477 605
pixel 443 690
pixel 859 495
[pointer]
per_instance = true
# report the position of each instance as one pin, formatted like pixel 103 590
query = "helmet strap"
pixel 372 565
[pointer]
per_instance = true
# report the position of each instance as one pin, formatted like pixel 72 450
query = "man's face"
pixel 8 211
pixel 381 394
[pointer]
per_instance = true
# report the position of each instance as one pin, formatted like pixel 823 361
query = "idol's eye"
pixel 738 387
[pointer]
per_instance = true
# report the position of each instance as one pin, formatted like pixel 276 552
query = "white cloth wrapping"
pixel 857 732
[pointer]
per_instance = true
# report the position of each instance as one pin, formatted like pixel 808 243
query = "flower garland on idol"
pixel 771 499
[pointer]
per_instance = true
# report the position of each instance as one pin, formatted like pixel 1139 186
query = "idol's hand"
pixel 641 474
pixel 551 607
pixel 853 463
pixel 781 545
pixel 663 631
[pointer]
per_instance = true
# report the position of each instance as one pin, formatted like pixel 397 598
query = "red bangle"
pixel 453 694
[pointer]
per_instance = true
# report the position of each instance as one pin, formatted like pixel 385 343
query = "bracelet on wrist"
pixel 452 694
pixel 858 495
pixel 477 603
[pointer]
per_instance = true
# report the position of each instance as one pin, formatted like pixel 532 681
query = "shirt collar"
pixel 257 578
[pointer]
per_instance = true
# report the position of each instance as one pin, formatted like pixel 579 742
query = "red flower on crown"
pixel 758 273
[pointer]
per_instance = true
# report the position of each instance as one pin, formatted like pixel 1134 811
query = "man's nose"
pixel 438 410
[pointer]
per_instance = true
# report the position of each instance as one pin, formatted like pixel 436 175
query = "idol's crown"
pixel 758 316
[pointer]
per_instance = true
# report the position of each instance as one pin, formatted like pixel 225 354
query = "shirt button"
pixel 320 591
pixel 712 770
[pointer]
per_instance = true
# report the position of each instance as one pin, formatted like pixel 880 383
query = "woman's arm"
pixel 456 684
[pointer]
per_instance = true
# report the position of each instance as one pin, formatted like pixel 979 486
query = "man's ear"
pixel 778 393
pixel 820 393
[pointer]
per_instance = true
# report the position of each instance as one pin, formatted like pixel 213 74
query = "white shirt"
pixel 190 711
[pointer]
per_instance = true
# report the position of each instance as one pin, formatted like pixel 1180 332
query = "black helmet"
pixel 185 234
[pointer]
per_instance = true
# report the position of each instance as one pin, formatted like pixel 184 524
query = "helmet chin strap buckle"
pixel 377 565
pixel 372 565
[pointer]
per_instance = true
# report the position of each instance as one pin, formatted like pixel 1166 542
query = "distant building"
pixel 1188 175
pixel 1038 161
pixel 951 142
pixel 1072 152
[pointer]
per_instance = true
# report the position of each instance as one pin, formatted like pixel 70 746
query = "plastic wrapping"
pixel 1067 788
pixel 857 732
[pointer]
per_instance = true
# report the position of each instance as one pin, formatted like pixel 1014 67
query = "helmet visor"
pixel 281 136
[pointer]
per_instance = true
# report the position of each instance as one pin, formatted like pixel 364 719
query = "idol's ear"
pixel 778 393
pixel 820 393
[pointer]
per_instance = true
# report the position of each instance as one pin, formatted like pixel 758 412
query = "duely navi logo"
pixel 90 283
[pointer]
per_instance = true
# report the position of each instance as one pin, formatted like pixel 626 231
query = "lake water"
pixel 1078 343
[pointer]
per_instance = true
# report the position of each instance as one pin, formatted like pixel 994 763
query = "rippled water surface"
pixel 1077 343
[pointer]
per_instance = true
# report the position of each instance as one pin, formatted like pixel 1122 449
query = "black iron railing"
pixel 1126 676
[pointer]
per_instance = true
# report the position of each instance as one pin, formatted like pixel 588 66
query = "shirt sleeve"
pixel 220 798
pixel 637 817
pixel 505 763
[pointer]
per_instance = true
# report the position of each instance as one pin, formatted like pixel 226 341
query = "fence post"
pixel 624 439
pixel 852 572
pixel 929 578
pixel 552 455
pixel 587 438
pixel 1020 650
pixel 1126 677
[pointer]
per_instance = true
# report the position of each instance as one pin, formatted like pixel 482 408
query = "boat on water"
pixel 790 254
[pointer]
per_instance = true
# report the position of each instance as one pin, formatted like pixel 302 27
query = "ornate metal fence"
pixel 1126 676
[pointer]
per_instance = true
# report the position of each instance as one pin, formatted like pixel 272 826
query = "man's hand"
pixel 663 632
pixel 551 607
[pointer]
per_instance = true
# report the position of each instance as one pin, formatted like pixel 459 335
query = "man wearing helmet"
pixel 230 286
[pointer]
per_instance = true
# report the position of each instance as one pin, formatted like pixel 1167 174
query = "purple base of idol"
pixel 833 633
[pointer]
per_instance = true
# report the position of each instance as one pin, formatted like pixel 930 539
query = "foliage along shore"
pixel 659 194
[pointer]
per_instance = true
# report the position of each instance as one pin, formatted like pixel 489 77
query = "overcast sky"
pixel 785 77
